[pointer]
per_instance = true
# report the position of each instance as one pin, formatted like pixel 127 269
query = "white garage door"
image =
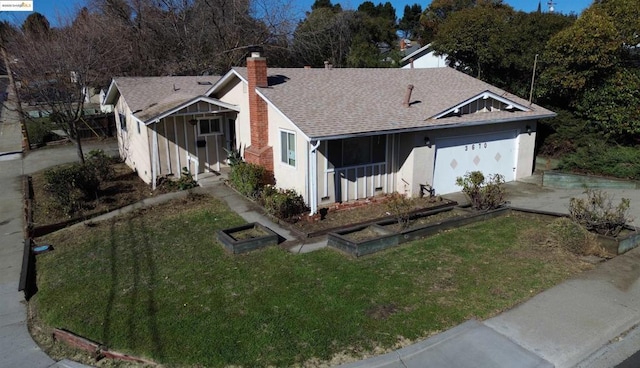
pixel 493 153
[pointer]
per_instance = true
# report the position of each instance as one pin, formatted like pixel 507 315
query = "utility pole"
pixel 12 84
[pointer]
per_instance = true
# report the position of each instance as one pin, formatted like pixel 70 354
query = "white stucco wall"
pixel 429 60
pixel 417 160
pixel 287 176
pixel 133 146
pixel 235 93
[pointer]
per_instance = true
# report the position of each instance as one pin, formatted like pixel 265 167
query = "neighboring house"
pixel 423 57
pixel 332 135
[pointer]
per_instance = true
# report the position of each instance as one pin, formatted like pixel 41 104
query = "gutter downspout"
pixel 154 156
pixel 313 177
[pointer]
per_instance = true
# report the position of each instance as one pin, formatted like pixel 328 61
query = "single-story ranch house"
pixel 331 134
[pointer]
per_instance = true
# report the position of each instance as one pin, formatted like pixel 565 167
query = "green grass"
pixel 157 284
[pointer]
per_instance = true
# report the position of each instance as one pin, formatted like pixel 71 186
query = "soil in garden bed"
pixel 252 233
pixel 124 189
pixel 423 221
pixel 363 234
pixel 371 211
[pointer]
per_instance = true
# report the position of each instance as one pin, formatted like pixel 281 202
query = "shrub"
pixel 248 178
pixel 100 163
pixel 285 204
pixel 234 157
pixel 70 184
pixel 484 195
pixel 186 181
pixel 40 131
pixel 598 214
pixel 569 235
pixel 604 159
pixel 400 207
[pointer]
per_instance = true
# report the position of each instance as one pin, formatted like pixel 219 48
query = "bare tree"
pixel 57 68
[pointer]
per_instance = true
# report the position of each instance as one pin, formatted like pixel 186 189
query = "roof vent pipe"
pixel 326 64
pixel 411 61
pixel 407 96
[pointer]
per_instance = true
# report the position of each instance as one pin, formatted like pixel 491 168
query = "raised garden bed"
pixel 357 218
pixel 558 179
pixel 247 237
pixel 628 239
pixel 424 224
pixel 364 239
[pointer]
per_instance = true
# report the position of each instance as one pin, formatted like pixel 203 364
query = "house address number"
pixel 474 146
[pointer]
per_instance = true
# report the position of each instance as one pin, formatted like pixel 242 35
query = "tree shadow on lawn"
pixel 142 259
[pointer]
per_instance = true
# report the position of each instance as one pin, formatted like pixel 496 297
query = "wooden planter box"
pixel 465 219
pixel 387 238
pixel 384 239
pixel 247 237
pixel 628 239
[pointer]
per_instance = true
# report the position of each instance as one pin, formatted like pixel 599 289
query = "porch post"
pixel 313 177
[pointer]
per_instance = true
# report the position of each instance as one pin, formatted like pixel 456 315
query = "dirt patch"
pixel 422 221
pixel 124 189
pixel 367 210
pixel 364 234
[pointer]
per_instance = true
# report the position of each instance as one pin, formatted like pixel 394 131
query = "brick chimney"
pixel 259 152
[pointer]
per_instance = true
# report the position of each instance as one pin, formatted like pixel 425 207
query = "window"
pixel 357 151
pixel 209 126
pixel 123 122
pixel 288 148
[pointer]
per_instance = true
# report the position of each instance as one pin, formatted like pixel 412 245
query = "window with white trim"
pixel 288 148
pixel 123 122
pixel 209 126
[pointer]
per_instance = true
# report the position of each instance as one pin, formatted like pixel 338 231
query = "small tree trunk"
pixel 78 142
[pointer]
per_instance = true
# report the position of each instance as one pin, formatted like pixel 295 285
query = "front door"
pixel 230 135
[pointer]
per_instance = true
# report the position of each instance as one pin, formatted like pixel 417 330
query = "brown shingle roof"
pixel 149 97
pixel 326 103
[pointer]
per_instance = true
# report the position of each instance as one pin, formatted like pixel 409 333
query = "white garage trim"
pixel 490 153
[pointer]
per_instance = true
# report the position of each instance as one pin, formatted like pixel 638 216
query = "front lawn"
pixel 157 284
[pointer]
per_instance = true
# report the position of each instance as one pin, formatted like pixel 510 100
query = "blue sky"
pixel 61 9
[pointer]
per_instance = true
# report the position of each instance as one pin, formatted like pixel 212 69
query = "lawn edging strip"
pixel 95 349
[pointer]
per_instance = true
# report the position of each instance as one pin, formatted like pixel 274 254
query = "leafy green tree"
pixel 578 56
pixel 473 38
pixel 438 11
pixel 326 4
pixel 374 29
pixel 614 105
pixel 324 35
pixel 409 24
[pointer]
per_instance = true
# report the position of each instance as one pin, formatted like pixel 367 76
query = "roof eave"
pixel 189 103
pixel 111 93
pixel 223 81
pixel 437 127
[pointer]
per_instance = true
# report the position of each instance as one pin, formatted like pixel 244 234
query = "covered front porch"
pixel 194 137
pixel 351 168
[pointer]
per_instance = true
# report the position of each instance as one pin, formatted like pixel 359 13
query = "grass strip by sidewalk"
pixel 157 284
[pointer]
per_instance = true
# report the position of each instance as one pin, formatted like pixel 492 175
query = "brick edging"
pixel 97 350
